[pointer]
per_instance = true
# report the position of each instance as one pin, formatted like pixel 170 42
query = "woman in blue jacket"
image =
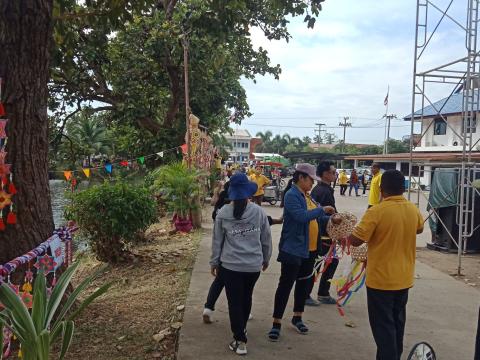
pixel 294 248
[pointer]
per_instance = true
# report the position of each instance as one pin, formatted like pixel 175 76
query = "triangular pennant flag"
pixel 141 159
pixel 67 174
pixel 160 154
pixel 124 163
pixel 184 148
pixel 86 171
pixel 108 168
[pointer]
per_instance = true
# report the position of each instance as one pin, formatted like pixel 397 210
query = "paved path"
pixel 441 311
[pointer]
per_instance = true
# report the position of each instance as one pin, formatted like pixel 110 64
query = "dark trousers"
pixel 353 186
pixel 297 274
pixel 364 188
pixel 343 189
pixel 387 311
pixel 327 275
pixel 214 293
pixel 239 288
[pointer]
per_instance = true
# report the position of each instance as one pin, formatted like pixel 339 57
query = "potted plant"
pixel 179 187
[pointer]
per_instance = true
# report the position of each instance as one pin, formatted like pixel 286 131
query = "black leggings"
pixel 214 292
pixel 239 288
pixel 298 274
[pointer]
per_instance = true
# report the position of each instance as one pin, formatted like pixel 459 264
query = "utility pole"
pixel 187 96
pixel 389 119
pixel 344 124
pixel 319 132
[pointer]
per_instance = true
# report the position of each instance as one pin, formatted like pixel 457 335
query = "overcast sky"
pixel 344 66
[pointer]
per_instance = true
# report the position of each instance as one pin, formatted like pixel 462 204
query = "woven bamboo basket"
pixel 344 229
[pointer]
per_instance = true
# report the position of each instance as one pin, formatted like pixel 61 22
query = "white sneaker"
pixel 238 347
pixel 207 316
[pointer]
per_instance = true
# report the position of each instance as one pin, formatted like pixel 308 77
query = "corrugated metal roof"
pixel 446 106
pixel 239 133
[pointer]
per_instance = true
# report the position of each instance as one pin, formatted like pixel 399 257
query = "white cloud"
pixel 343 67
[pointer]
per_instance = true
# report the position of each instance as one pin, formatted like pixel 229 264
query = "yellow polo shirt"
pixel 390 230
pixel 342 179
pixel 261 181
pixel 374 195
pixel 312 226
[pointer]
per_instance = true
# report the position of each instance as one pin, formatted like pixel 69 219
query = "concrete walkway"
pixel 441 311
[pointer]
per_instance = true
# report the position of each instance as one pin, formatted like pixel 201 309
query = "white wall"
pixel 431 142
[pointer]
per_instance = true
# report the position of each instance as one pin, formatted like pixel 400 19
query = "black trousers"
pixel 239 288
pixel 214 293
pixel 364 188
pixel 343 189
pixel 297 274
pixel 387 311
pixel 327 275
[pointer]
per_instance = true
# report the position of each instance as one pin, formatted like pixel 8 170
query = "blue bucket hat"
pixel 240 187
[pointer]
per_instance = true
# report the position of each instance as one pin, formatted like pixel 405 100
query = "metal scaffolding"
pixel 462 74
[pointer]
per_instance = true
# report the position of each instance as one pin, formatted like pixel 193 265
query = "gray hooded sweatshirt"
pixel 241 245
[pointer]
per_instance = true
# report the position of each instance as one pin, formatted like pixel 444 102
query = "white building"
pixel 240 146
pixel 441 136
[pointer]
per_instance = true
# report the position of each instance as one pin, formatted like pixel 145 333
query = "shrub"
pixel 179 187
pixel 110 216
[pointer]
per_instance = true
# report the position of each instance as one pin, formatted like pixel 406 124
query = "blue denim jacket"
pixel 296 218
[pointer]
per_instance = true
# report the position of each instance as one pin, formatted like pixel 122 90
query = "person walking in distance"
pixel 375 195
pixel 241 249
pixel 294 249
pixel 323 194
pixel 364 181
pixel 389 228
pixel 261 181
pixel 343 182
pixel 353 183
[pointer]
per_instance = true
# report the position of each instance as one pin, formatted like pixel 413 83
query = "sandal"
pixel 301 327
pixel 274 335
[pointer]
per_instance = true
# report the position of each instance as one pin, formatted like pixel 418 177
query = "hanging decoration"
pixel 202 151
pixel 47 256
pixel 7 187
pixel 86 171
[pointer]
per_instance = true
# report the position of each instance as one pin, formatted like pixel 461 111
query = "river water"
pixel 59 200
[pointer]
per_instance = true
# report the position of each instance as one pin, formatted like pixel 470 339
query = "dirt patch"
pixel 141 315
pixel 448 263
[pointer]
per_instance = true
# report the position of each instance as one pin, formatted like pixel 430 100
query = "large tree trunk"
pixel 25 40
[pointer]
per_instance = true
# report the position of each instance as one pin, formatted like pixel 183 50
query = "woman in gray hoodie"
pixel 241 249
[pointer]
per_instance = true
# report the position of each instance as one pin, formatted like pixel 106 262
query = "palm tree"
pixel 266 137
pixel 90 135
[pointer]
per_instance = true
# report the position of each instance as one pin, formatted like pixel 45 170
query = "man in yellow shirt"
pixel 261 181
pixel 390 230
pixel 374 196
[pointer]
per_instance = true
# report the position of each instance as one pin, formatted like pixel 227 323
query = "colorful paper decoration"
pixel 108 168
pixel 86 171
pixel 3 132
pixel 27 299
pixel 68 175
pixel 5 199
pixel 141 159
pixel 160 154
pixel 46 264
pixel 124 163
pixel 57 251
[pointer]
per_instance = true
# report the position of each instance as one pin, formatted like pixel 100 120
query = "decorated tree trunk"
pixel 25 41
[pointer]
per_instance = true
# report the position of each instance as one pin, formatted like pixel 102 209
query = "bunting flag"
pixel 108 168
pixel 67 174
pixel 184 148
pixel 86 171
pixel 124 163
pixel 160 154
pixel 7 187
pixel 141 160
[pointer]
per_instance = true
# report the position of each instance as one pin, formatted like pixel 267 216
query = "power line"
pixel 377 126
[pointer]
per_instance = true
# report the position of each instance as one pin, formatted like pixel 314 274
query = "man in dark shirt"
pixel 322 193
